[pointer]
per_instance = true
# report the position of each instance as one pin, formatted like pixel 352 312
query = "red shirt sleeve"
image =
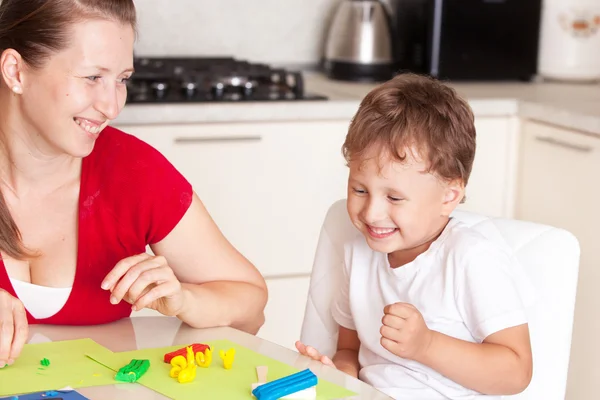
pixel 157 194
pixel 170 196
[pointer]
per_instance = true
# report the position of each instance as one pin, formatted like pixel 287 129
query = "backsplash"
pixel 287 32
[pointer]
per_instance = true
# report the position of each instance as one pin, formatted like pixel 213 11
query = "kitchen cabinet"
pixel 266 185
pixel 558 186
pixel 285 310
pixel 269 185
pixel 490 190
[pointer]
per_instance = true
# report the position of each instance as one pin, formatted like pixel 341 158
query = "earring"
pixel 17 89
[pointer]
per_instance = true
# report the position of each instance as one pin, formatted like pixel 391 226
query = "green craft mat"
pixel 69 366
pixel 214 382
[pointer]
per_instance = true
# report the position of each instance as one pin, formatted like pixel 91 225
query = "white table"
pixel 149 332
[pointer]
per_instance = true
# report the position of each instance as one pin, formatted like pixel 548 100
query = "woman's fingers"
pixel 21 331
pixel 13 328
pixel 122 287
pixel 121 268
pixel 165 289
pixel 7 329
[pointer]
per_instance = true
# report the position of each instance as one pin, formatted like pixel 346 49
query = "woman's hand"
pixel 314 354
pixel 145 281
pixel 14 328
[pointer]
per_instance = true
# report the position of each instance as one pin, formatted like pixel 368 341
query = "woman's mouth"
pixel 93 127
pixel 380 233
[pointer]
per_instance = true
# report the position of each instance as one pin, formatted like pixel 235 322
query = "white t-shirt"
pixel 464 285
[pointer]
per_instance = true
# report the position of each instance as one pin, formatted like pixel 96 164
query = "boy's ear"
pixel 454 192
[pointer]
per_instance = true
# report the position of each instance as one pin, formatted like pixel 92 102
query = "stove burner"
pixel 179 80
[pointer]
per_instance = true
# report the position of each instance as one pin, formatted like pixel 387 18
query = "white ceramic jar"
pixel 570 40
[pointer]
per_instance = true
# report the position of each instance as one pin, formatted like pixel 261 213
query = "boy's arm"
pixel 501 365
pixel 346 356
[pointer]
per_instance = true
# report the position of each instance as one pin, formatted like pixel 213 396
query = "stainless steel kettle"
pixel 359 44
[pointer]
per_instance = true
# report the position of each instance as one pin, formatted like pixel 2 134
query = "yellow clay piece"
pixel 187 375
pixel 184 369
pixel 178 363
pixel 204 359
pixel 227 357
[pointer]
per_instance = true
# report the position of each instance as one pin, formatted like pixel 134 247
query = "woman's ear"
pixel 11 65
pixel 454 192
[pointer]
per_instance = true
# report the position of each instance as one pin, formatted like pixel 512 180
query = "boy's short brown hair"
pixel 416 112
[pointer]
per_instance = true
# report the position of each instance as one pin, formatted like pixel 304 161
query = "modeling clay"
pixel 133 371
pixel 204 359
pixel 178 363
pixel 184 369
pixel 45 362
pixel 286 385
pixel 227 357
pixel 306 394
pixel 198 347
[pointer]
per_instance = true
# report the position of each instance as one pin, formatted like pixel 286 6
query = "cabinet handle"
pixel 567 145
pixel 212 139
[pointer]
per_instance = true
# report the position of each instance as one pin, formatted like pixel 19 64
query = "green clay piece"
pixel 133 371
pixel 45 362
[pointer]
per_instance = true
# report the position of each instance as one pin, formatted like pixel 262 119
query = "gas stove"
pixel 191 80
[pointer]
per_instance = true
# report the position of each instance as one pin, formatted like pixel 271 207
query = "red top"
pixel 130 196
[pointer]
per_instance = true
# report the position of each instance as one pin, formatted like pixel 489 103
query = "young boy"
pixel 430 309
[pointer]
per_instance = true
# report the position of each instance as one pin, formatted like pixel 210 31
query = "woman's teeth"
pixel 88 126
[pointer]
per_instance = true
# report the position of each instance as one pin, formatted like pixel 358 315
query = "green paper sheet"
pixel 69 366
pixel 214 382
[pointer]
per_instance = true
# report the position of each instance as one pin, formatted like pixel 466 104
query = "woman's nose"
pixel 108 104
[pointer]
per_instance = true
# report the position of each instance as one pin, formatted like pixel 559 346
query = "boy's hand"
pixel 313 353
pixel 404 332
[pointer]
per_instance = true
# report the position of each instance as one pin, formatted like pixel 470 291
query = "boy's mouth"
pixel 380 233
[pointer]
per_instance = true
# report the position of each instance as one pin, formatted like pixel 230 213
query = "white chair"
pixel 549 255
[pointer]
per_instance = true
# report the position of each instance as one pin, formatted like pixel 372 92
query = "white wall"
pixel 272 31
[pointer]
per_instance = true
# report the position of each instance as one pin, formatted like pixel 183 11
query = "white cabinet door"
pixel 491 185
pixel 285 310
pixel 559 186
pixel 267 186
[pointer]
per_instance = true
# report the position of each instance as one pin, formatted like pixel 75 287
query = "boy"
pixel 430 309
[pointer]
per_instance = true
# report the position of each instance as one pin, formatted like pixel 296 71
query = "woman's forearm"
pixel 224 303
pixel 347 361
pixel 484 367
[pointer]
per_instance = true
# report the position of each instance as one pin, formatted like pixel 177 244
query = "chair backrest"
pixel 549 255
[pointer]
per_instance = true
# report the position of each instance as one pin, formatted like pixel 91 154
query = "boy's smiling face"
pixel 399 207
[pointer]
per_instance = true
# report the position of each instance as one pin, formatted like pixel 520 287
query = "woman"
pixel 81 200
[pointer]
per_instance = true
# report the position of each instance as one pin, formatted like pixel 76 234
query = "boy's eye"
pixel 359 191
pixel 391 198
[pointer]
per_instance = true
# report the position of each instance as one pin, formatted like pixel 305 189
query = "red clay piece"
pixel 197 347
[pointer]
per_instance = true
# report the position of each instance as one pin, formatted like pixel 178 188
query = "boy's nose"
pixel 373 212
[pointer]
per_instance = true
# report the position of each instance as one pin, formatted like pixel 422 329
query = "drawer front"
pixel 267 186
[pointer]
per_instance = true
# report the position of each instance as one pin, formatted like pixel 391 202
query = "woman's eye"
pixel 124 80
pixel 93 78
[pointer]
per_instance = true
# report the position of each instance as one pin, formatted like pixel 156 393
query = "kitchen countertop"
pixel 573 106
